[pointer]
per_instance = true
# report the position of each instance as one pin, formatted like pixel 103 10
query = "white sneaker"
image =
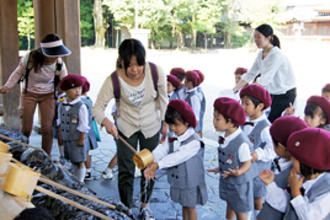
pixel 137 173
pixel 107 173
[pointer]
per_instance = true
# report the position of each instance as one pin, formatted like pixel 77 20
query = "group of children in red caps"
pixel 278 171
pixel 274 171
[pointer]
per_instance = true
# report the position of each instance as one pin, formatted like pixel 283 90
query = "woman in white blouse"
pixel 276 73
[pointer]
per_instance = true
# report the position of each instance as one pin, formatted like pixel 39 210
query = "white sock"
pixel 256 213
pixel 80 173
pixel 61 150
pixel 88 170
pixel 248 215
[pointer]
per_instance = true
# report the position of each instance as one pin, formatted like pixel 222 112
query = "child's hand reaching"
pixel 267 176
pixel 150 171
pixel 254 156
pixel 289 110
pixel 232 172
pixel 214 170
pixel 295 183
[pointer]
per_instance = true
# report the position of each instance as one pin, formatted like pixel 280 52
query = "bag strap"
pixel 116 85
pixel 154 75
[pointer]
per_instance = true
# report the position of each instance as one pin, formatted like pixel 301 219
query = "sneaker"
pixel 146 214
pixel 62 160
pixel 88 175
pixel 107 173
pixel 137 173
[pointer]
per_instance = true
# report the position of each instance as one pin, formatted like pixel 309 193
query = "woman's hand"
pixel 4 89
pixel 289 110
pixel 110 127
pixel 214 170
pixel 267 176
pixel 164 132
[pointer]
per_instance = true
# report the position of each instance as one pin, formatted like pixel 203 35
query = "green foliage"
pixel 25 18
pixel 86 22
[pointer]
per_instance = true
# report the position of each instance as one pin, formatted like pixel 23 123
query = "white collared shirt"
pixel 180 154
pixel 276 72
pixel 267 153
pixel 244 153
pixel 83 115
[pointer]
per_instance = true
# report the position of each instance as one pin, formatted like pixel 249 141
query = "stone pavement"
pixel 161 204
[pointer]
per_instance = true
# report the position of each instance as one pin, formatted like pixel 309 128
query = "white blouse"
pixel 276 72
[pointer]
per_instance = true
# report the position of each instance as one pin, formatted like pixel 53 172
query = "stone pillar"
pixel 9 60
pixel 63 18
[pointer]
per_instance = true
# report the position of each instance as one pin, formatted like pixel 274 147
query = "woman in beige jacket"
pixel 141 106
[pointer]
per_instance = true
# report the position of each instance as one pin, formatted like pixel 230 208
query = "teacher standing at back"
pixel 275 70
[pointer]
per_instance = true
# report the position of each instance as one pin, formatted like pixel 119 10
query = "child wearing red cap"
pixel 310 149
pixel 255 99
pixel 326 91
pixel 236 179
pixel 238 74
pixel 180 73
pixel 173 86
pixel 91 143
pixel 73 125
pixel 274 208
pixel 183 157
pixel 317 112
pixel 194 100
pixel 202 98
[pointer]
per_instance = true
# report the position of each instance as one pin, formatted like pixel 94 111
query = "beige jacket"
pixel 146 117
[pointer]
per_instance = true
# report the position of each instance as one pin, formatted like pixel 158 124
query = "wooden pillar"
pixel 9 60
pixel 63 18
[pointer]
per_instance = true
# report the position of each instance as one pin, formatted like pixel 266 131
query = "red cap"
pixel 201 76
pixel 193 76
pixel 257 92
pixel 230 108
pixel 177 71
pixel 323 103
pixel 310 146
pixel 174 80
pixel 240 71
pixel 184 109
pixel 326 88
pixel 70 81
pixel 86 85
pixel 282 127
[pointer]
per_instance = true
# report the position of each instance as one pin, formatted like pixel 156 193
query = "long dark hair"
pixel 267 30
pixel 127 49
pixel 36 55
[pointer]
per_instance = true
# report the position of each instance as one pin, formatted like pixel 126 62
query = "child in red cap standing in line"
pixel 183 157
pixel 317 112
pixel 181 75
pixel 236 179
pixel 280 130
pixel 73 125
pixel 255 99
pixel 201 96
pixel 311 152
pixel 173 86
pixel 238 74
pixel 192 98
pixel 91 143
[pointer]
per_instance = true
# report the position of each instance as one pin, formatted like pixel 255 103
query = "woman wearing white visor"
pixel 40 70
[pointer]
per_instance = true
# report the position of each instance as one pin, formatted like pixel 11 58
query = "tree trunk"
pixel 98 23
pixel 205 40
pixel 29 41
pixel 227 42
pixel 193 39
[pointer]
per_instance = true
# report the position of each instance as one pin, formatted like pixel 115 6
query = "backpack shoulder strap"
pixel 115 83
pixel 154 75
pixel 29 66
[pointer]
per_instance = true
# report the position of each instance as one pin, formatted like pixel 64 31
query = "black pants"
pixel 126 167
pixel 280 103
